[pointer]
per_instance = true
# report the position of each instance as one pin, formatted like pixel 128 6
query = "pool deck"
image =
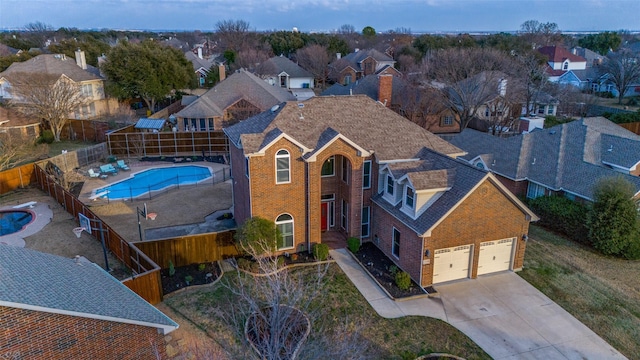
pixel 42 216
pixel 88 195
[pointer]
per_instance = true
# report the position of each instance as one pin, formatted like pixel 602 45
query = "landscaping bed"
pixel 247 263
pixel 383 270
pixel 199 274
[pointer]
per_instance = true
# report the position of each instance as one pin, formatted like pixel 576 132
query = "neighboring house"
pixel 86 76
pixel 361 63
pixel 544 104
pixel 201 66
pixel 421 106
pixel 335 167
pixel 57 308
pixel 564 67
pixel 566 159
pixel 239 96
pixel 7 50
pixel 592 58
pixel 16 124
pixel 282 72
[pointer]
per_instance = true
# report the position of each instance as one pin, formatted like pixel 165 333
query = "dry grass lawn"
pixel 602 292
pixel 340 306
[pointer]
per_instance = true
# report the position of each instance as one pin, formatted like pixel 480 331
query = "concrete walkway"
pixel 502 313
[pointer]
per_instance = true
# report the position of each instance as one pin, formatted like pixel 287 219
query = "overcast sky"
pixel 324 15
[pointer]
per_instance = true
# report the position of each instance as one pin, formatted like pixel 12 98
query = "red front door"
pixel 324 216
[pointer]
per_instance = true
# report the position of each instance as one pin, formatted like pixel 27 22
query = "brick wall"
pixel 518 188
pixel 487 214
pixel 28 334
pixel 385 85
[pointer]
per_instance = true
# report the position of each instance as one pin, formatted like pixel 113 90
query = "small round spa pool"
pixel 12 221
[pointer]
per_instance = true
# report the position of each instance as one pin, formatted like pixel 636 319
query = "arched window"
pixel 284 223
pixel 282 167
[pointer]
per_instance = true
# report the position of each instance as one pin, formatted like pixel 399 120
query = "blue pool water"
pixel 13 221
pixel 155 179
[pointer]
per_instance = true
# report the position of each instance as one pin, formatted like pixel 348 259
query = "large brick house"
pixel 58 308
pixel 347 166
pixel 360 63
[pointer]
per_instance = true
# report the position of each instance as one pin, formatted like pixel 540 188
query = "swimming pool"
pixel 155 179
pixel 14 220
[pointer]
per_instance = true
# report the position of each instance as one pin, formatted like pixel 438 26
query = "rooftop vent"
pixel 275 108
pixel 300 105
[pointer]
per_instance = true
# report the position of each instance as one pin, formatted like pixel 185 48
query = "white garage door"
pixel 495 256
pixel 451 263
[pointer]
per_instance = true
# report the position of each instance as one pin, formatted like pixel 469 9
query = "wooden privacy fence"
pixel 633 127
pixel 146 280
pixel 128 142
pixel 191 249
pixel 18 177
pixel 85 130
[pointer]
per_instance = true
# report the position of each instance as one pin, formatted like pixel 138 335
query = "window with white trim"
pixel 328 168
pixel 87 90
pixel 246 166
pixel 282 167
pixel 395 246
pixel 447 120
pixel 550 110
pixel 409 197
pixel 284 223
pixel 366 174
pixel 390 185
pixel 565 66
pixel 344 215
pixel 366 218
pixel 535 191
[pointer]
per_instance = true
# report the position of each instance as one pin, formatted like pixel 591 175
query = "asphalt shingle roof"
pixel 368 85
pixel 240 85
pixel 565 157
pixel 279 64
pixel 367 123
pixel 54 64
pixel 29 277
pixel 461 177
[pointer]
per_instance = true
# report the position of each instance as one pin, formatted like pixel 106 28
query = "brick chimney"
pixel 385 85
pixel 80 59
pixel 221 72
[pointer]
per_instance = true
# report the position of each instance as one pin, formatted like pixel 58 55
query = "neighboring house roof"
pixel 570 157
pixel 314 124
pixel 280 64
pixel 43 282
pixel 370 86
pixel 10 118
pixel 238 86
pixel 198 63
pixel 355 58
pixel 557 54
pixel 7 50
pixel 54 64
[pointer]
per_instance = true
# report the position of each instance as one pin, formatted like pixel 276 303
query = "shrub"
pixel 280 262
pixel 353 244
pixel 201 267
pixel 46 137
pixel 257 236
pixel 613 220
pixel 403 280
pixel 320 251
pixel 393 270
pixel 188 279
pixel 562 215
pixel 244 264
pixel 172 269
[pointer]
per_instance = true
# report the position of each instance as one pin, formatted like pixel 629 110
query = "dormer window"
pixel 390 185
pixel 565 66
pixel 409 198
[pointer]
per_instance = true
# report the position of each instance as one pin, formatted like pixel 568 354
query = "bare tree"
pixel 315 59
pixel 540 34
pixel 232 33
pixel 250 58
pixel 16 149
pixel 623 70
pixel 531 72
pixel 51 98
pixel 467 77
pixel 38 32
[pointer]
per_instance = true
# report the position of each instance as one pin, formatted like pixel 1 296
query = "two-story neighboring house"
pixel 565 67
pixel 330 168
pixel 78 71
pixel 239 96
pixel 359 64
pixel 201 66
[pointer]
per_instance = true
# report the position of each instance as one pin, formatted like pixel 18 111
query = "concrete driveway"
pixel 510 319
